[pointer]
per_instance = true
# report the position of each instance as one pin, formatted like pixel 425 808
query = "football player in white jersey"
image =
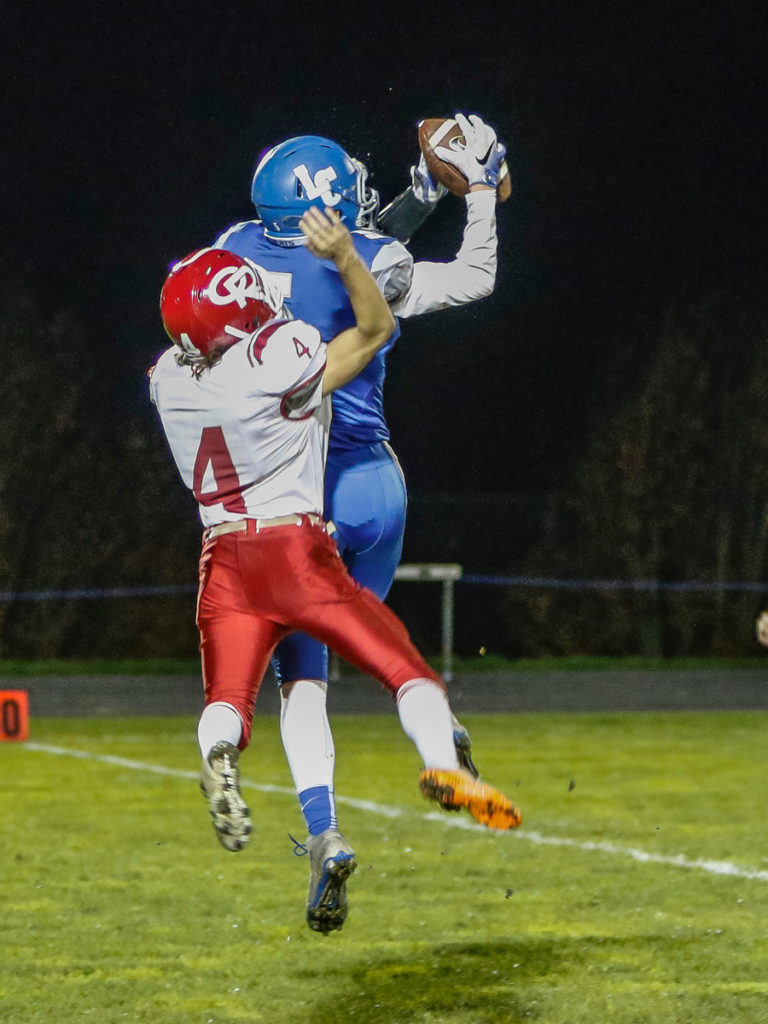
pixel 243 397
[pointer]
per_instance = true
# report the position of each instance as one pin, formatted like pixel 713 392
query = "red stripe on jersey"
pixel 305 386
pixel 260 339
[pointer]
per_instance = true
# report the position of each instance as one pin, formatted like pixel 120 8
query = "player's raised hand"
pixel 425 187
pixel 327 237
pixel 481 158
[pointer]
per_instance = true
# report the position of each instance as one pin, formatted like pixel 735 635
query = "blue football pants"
pixel 366 499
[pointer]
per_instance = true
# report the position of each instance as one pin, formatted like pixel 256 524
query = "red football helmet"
pixel 213 298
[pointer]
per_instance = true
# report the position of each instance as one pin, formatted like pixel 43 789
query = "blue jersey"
pixel 312 291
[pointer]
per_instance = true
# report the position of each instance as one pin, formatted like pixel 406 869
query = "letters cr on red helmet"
pixel 213 298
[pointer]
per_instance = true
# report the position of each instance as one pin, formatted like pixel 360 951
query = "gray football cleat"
pixel 220 785
pixel 463 747
pixel 331 862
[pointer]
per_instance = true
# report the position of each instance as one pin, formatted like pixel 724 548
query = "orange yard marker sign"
pixel 14 715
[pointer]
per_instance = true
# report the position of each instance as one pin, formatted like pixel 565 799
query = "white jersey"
pixel 249 436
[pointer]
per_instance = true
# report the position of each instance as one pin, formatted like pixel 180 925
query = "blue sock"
pixel 318 808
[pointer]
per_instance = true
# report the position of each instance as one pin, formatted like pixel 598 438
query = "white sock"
pixel 306 733
pixel 425 716
pixel 219 721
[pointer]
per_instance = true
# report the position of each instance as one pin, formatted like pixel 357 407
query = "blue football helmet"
pixel 310 171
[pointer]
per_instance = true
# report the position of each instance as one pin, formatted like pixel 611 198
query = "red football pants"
pixel 255 588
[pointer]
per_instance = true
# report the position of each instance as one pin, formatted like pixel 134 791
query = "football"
pixel 444 131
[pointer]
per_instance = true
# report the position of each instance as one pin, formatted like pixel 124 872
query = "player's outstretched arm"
pixel 480 163
pixel 471 274
pixel 349 352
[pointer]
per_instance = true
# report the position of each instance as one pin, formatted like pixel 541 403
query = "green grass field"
pixel 635 891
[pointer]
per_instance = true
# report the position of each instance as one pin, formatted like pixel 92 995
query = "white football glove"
pixel 425 188
pixel 480 160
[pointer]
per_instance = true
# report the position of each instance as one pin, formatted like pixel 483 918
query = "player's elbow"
pixel 377 331
pixel 487 280
pixel 390 325
pixel 472 276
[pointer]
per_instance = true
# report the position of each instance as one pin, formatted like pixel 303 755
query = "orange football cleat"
pixel 456 789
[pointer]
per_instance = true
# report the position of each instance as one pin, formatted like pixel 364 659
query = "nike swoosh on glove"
pixel 481 158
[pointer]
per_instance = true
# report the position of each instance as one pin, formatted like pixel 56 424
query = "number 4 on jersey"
pixel 213 452
pixel 301 349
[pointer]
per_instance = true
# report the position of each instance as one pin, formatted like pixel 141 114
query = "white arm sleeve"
pixel 471 275
pixel 392 270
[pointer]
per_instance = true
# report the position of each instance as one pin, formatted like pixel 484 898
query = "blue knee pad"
pixel 299 656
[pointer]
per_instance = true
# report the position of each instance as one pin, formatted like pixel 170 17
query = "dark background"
pixel 630 299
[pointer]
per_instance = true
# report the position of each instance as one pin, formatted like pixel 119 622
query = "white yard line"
pixel 712 867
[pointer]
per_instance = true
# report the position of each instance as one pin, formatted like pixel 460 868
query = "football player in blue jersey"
pixel 365 493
